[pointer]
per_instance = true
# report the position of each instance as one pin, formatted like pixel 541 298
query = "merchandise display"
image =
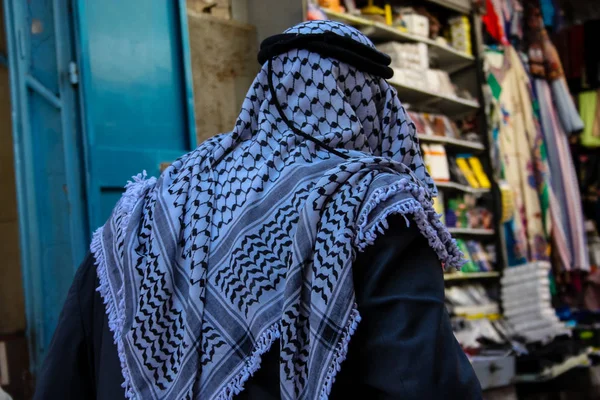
pixel 464 212
pixel 354 201
pixel 477 258
pixel 407 55
pixel 502 156
pixel 470 301
pixel 428 44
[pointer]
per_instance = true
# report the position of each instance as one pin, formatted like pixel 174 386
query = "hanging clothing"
pixel 523 158
pixel 404 347
pixel 589 109
pixel 250 239
pixel 544 63
pixel 551 208
pixel 494 22
pixel 563 179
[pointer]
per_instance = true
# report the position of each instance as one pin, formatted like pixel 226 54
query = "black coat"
pixel 404 347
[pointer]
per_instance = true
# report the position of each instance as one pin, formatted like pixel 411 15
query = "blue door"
pixel 50 183
pixel 136 92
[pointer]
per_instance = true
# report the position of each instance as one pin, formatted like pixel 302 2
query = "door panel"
pixel 50 196
pixel 80 133
pixel 134 93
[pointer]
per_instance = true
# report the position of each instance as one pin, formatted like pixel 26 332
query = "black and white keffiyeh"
pixel 251 237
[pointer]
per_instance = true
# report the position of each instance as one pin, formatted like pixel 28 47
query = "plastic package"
pixel 460 33
pixel 436 162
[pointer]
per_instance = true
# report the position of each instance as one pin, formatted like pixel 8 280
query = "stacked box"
pixel 460 34
pixel 407 55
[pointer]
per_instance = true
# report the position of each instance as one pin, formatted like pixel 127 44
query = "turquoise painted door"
pixel 136 92
pixel 100 91
pixel 47 147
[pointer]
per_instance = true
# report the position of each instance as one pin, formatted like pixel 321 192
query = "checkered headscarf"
pixel 251 237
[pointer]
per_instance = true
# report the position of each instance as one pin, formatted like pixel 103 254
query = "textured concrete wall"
pixel 223 67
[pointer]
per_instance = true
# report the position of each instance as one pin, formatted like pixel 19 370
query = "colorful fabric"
pixel 589 111
pixel 565 106
pixel 544 63
pixel 522 153
pixel 564 180
pixel 494 22
pixel 251 237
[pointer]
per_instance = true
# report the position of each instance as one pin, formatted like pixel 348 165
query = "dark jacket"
pixel 404 347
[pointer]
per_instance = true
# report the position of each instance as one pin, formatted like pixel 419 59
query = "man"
pixel 257 266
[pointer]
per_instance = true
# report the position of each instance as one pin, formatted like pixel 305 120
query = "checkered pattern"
pixel 251 237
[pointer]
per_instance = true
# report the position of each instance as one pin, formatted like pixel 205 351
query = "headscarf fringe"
pixel 133 192
pixel 341 352
pixel 252 363
pixel 423 214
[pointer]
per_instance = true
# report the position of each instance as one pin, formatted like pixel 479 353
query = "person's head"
pixel 339 96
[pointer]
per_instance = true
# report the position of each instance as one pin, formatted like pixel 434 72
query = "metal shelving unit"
pixel 467 71
pixel 453 106
pixel 472 232
pixel 449 59
pixel 461 276
pixel 462 6
pixel 460 187
pixel 451 142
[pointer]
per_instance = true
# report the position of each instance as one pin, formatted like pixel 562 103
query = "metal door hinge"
pixel 73 73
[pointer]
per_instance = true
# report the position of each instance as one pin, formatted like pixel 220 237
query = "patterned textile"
pixel 544 62
pixel 589 109
pixel 564 183
pixel 251 237
pixel 524 166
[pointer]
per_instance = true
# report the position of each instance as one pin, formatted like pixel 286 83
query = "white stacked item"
pixel 436 162
pixel 527 304
pixel 416 24
pixel 412 78
pixel 438 81
pixel 409 61
pixel 407 55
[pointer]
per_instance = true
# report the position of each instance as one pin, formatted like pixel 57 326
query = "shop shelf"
pixel 455 276
pixel 462 6
pixel 471 231
pixel 460 187
pixel 420 99
pixel 458 143
pixel 448 58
